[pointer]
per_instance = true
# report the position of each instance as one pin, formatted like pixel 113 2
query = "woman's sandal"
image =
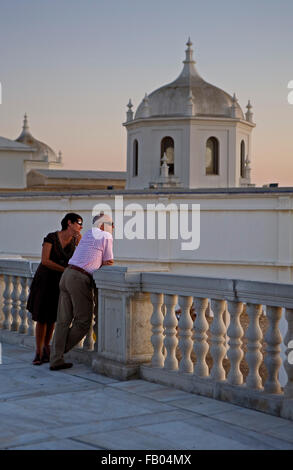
pixel 37 360
pixel 46 354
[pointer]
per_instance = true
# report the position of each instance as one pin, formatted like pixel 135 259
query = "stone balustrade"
pixel 15 279
pixel 158 326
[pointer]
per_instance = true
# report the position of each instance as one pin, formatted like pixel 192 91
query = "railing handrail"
pixel 267 293
pixel 18 267
pixel 257 292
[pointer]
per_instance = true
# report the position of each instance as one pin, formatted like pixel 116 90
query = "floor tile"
pixel 253 440
pixel 203 405
pixel 250 419
pixel 63 444
pixel 133 439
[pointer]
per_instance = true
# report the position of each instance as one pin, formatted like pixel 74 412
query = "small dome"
pixel 43 151
pixel 172 99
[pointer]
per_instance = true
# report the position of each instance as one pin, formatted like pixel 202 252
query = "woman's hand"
pixel 77 237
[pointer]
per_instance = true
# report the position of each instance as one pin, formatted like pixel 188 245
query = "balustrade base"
pixel 13 337
pixel 115 369
pixel 80 356
pixel 238 395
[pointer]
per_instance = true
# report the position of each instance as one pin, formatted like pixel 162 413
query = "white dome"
pixel 172 99
pixel 42 151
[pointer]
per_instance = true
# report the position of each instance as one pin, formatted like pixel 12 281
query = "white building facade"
pixel 244 233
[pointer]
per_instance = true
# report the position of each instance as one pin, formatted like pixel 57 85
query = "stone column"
pixel 124 323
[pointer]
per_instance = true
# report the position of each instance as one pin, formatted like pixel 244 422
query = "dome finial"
pixel 129 113
pixel 189 53
pixel 248 113
pixel 25 122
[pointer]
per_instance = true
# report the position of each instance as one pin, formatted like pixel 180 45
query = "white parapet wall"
pixel 244 234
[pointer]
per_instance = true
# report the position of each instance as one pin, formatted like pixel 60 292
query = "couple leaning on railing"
pixel 62 288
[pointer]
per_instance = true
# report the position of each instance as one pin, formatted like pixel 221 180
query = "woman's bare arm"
pixel 47 247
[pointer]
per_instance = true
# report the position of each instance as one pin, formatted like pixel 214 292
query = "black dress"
pixel 43 298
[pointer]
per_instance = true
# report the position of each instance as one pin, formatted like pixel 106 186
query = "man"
pixel 76 301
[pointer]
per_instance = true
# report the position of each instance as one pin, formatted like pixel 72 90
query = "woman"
pixel 58 247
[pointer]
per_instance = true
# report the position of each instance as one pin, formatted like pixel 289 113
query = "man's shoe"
pixel 65 365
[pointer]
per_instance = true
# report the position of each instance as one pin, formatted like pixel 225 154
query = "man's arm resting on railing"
pixel 108 263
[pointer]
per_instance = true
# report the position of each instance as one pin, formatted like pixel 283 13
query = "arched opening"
pixel 135 158
pixel 242 159
pixel 167 147
pixel 212 156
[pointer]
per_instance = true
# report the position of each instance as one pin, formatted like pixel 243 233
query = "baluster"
pixel 254 355
pixel 31 322
pixel 170 341
pixel 185 333
pixel 7 306
pixel 201 346
pixel 218 330
pixel 235 333
pixel 88 343
pixel 288 361
pixel 157 338
pixel 80 344
pixel 273 359
pixel 23 328
pixel 15 303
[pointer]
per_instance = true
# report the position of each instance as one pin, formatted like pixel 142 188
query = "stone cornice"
pixel 190 119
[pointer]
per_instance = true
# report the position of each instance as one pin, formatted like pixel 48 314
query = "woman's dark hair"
pixel 70 216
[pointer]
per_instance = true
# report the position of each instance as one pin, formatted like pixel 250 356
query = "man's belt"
pixel 77 268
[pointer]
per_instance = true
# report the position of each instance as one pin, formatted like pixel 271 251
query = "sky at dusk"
pixel 72 66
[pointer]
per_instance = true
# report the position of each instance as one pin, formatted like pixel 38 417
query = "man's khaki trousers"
pixel 75 312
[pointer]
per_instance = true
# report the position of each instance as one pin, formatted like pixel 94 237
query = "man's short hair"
pixel 101 219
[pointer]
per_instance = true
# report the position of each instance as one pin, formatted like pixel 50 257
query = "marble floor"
pixel 76 409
